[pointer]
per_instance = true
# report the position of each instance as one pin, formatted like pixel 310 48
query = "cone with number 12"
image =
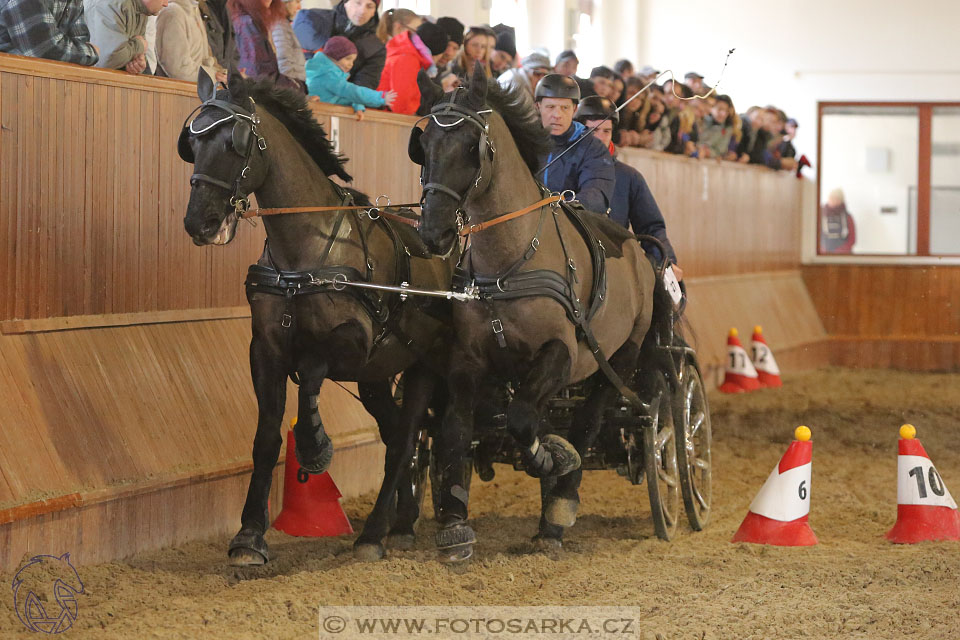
pixel 925 508
pixel 779 513
pixel 740 375
pixel 768 373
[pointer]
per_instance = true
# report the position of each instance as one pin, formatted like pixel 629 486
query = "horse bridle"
pixel 243 135
pixel 486 150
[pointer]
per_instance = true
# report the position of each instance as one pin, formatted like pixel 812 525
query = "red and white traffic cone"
pixel 768 373
pixel 311 503
pixel 740 375
pixel 779 513
pixel 925 508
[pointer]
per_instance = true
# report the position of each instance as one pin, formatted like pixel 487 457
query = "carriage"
pixel 667 447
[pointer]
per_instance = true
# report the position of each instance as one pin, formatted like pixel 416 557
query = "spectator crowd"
pixel 354 55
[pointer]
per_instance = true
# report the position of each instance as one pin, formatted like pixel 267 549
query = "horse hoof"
pixel 316 461
pixel 248 549
pixel 561 512
pixel 547 544
pixel 246 558
pixel 368 551
pixel 455 555
pixel 563 455
pixel 401 541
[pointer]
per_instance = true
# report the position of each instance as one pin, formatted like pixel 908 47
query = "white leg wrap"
pixel 535 446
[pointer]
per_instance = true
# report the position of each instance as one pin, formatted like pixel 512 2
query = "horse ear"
pixel 430 93
pixel 478 86
pixel 206 86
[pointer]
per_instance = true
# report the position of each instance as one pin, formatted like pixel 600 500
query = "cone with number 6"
pixel 768 373
pixel 779 513
pixel 740 375
pixel 925 508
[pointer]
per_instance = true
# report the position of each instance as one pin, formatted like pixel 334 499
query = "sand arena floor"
pixel 853 584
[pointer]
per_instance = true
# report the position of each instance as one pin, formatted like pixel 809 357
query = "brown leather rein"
pixel 466 231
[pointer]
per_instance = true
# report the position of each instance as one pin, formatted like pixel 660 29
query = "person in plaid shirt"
pixel 52 29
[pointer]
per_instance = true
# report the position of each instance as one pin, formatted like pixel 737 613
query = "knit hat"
pixel 434 37
pixel 535 61
pixel 339 47
pixel 507 43
pixel 567 54
pixel 453 28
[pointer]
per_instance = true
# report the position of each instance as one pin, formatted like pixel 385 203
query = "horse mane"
pixel 290 108
pixel 523 121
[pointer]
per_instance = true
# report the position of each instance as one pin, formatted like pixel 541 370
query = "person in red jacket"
pixel 407 53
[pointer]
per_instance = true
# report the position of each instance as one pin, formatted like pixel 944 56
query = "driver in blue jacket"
pixel 633 204
pixel 587 168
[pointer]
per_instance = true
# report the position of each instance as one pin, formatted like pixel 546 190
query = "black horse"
pixel 306 323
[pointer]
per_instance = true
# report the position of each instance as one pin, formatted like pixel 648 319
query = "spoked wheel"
pixel 419 468
pixel 694 437
pixel 660 461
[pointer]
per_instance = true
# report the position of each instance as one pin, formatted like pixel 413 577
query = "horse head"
pixel 226 149
pixel 457 159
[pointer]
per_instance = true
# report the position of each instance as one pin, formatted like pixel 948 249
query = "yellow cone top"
pixel 733 332
pixel 758 329
pixel 908 432
pixel 802 433
pixel 293 422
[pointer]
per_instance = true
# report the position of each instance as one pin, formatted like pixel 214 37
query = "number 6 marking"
pixel 803 490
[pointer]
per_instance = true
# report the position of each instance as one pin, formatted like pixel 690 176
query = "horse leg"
pixel 551 455
pixel 455 538
pixel 561 502
pixel 313 446
pixel 248 547
pixel 378 400
pixel 418 391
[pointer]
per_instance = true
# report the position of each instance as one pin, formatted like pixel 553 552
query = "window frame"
pixel 924 187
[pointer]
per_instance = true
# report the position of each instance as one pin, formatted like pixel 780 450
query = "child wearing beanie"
pixel 407 53
pixel 327 74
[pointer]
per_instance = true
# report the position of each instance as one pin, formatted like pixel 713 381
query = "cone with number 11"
pixel 740 375
pixel 779 513
pixel 925 508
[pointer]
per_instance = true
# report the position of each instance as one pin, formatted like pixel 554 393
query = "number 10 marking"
pixel 936 483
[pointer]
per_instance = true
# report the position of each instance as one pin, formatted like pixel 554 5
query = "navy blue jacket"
pixel 634 207
pixel 587 169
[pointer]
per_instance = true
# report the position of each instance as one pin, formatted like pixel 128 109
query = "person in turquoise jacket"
pixel 327 74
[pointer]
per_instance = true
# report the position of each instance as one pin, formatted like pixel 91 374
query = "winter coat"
pixel 290 57
pixel 52 29
pixel 219 28
pixel 634 206
pixel 328 82
pixel 114 26
pixel 314 27
pixel 182 45
pixel 716 137
pixel 587 169
pixel 838 233
pixel 404 61
pixel 257 57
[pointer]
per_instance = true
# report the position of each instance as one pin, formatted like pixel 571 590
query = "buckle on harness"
pixel 285 320
pixel 498 332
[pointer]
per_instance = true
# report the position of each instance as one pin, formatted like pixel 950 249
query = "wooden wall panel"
pixel 92 198
pixel 778 301
pixel 886 301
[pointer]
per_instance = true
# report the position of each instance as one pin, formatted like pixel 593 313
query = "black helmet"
pixel 596 108
pixel 555 85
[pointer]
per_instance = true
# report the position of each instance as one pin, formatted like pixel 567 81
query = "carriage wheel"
pixel 660 460
pixel 419 468
pixel 694 437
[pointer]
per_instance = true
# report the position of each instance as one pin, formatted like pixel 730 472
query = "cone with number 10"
pixel 779 513
pixel 740 375
pixel 768 373
pixel 925 508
